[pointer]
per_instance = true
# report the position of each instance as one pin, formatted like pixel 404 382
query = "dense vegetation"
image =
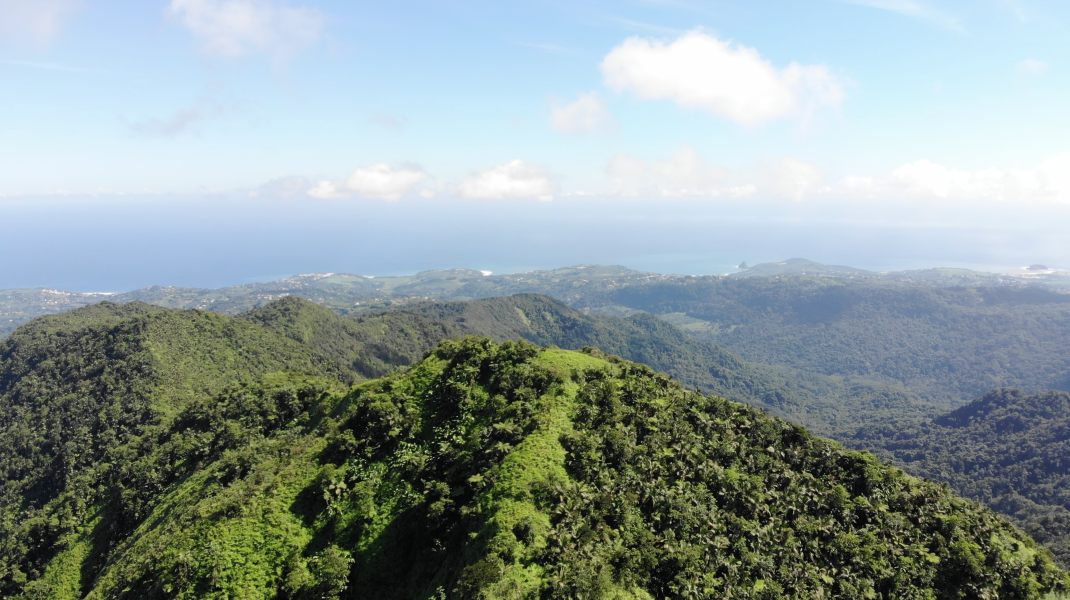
pixel 944 344
pixel 830 405
pixel 345 293
pixel 76 387
pixel 1007 449
pixel 491 471
pixel 110 412
pixel 368 346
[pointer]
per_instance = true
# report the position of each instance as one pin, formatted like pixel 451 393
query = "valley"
pixel 90 398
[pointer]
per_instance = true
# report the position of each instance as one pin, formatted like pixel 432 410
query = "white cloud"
pixel 325 190
pixel 686 170
pixel 627 167
pixel 791 178
pixel 379 181
pixel 186 120
pixel 232 28
pixel 687 174
pixel 684 174
pixel 699 71
pixel 912 8
pixel 629 174
pixel 283 187
pixel 35 20
pixel 47 66
pixel 587 114
pixel 1032 66
pixel 513 180
pixel 926 179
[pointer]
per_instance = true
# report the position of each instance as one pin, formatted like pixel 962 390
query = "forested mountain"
pixel 344 292
pixel 1008 449
pixel 78 393
pixel 941 276
pixel 369 347
pixel 944 344
pixel 483 471
pixel 831 405
pixel 83 391
pixel 353 294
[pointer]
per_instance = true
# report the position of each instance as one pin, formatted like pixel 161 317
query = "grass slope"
pixel 511 471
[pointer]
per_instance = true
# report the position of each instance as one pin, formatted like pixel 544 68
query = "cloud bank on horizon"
pixel 852 100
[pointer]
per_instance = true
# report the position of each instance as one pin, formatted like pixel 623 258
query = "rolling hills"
pixel 947 345
pixel 481 471
pixel 1007 449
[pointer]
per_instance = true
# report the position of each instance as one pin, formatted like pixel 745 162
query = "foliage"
pixel 829 405
pixel 511 471
pixel 79 389
pixel 1007 449
pixel 370 346
pixel 944 344
pixel 348 294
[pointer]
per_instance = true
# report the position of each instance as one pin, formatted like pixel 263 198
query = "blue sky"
pixel 887 108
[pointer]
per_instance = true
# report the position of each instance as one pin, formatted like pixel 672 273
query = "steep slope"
pixel 370 346
pixel 514 472
pixel 830 405
pixel 76 387
pixel 1007 449
pixel 945 344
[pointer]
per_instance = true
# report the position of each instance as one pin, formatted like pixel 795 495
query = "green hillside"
pixel 1008 449
pixel 827 404
pixel 80 389
pixel 511 471
pixel 944 344
pixel 370 346
pixel 346 293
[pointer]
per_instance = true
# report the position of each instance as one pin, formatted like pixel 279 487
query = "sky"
pixel 206 142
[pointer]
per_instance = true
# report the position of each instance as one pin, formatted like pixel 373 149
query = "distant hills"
pixel 346 293
pixel 800 267
pixel 352 293
pixel 148 452
pixel 873 360
pixel 945 344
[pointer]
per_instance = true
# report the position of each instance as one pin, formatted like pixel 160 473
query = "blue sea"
pixel 94 244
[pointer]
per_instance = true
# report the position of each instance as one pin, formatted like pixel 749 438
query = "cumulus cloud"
pixel 35 20
pixel 233 28
pixel 627 167
pixel 702 72
pixel 791 178
pixel 587 114
pixel 687 174
pixel 1032 66
pixel 926 179
pixel 513 180
pixel 686 170
pixel 683 174
pixel 380 181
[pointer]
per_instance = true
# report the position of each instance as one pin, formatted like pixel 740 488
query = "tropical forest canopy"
pixel 119 411
pixel 161 453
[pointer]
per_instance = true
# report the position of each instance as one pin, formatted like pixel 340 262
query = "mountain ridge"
pixel 502 471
